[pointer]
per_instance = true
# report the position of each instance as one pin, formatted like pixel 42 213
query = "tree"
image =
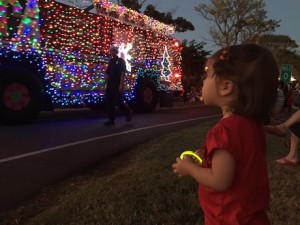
pixel 132 4
pixel 283 47
pixel 278 43
pixel 193 62
pixel 180 23
pixel 236 21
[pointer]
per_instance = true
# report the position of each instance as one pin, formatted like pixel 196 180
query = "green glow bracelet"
pixel 193 154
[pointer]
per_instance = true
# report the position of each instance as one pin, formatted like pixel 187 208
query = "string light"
pixel 70 45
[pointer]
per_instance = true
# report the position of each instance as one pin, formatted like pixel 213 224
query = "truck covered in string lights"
pixel 53 54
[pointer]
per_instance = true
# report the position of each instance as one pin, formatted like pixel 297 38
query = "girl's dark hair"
pixel 255 72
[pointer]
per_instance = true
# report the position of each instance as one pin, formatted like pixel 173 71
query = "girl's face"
pixel 209 90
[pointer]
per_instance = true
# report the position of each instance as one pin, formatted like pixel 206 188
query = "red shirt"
pixel 246 201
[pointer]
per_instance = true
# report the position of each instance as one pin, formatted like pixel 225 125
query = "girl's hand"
pixel 181 165
pixel 200 152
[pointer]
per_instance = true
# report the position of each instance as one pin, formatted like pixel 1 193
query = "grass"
pixel 139 187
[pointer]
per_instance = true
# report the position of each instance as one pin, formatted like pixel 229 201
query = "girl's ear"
pixel 226 87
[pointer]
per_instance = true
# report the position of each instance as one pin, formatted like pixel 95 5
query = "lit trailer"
pixel 53 54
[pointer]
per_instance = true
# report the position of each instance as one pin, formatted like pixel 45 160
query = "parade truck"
pixel 54 53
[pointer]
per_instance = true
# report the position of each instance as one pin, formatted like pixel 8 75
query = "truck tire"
pixel 146 96
pixel 21 95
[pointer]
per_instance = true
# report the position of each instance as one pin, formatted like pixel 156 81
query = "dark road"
pixel 58 144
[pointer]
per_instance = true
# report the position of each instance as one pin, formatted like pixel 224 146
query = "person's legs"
pixel 110 107
pixel 281 129
pixel 290 121
pixel 122 106
pixel 293 153
pixel 291 158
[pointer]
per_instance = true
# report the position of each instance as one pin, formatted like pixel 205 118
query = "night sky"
pixel 288 11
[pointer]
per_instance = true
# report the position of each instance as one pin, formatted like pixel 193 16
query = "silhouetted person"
pixel 114 77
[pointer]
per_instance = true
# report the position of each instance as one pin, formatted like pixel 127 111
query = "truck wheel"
pixel 20 95
pixel 146 96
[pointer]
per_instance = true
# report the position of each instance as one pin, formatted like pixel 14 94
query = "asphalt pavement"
pixel 36 155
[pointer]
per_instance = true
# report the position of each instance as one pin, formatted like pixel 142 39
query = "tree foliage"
pixel 193 62
pixel 132 4
pixel 236 21
pixel 278 42
pixel 283 47
pixel 180 23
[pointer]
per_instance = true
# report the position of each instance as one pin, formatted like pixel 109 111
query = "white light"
pixel 123 53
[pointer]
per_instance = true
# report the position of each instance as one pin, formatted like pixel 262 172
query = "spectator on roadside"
pixel 185 93
pixel 280 99
pixel 280 130
pixel 296 95
pixel 289 100
pixel 114 77
pixel 192 94
pixel 242 81
pixel 296 88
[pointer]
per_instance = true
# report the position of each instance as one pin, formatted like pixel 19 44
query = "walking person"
pixel 233 181
pixel 114 77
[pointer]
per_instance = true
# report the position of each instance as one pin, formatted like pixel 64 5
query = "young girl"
pixel 233 180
